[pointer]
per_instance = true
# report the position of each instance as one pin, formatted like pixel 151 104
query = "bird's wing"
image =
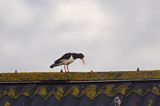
pixel 64 57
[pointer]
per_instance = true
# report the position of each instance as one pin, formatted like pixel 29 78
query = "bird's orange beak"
pixel 83 62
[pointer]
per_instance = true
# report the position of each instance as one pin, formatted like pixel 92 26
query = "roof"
pixel 80 89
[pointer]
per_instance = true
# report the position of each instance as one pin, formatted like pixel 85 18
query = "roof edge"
pixel 80 76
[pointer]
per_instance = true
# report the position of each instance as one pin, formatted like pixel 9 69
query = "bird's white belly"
pixel 69 61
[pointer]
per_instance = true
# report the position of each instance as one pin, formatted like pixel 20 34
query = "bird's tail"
pixel 52 66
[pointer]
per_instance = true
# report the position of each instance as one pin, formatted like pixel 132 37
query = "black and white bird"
pixel 67 59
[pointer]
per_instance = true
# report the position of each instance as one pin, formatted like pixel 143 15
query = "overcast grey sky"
pixel 113 34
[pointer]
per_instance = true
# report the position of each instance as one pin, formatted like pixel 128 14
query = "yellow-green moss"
pixel 79 76
pixel 90 92
pixel 58 93
pixel 7 104
pixel 42 91
pixel 155 91
pixel 109 91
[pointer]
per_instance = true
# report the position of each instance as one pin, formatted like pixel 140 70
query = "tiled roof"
pixel 99 92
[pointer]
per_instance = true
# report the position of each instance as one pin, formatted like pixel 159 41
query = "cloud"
pixel 119 35
pixel 78 20
pixel 15 13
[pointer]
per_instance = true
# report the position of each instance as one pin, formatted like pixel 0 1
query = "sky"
pixel 114 35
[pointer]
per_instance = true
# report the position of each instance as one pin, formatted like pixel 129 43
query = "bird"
pixel 67 59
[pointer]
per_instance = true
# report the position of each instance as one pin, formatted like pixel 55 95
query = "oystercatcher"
pixel 67 59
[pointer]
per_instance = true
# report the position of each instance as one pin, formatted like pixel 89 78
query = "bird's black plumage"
pixel 65 56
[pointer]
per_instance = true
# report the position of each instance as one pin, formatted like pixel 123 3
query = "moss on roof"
pixel 80 76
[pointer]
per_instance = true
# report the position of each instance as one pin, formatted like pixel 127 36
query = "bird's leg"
pixel 67 68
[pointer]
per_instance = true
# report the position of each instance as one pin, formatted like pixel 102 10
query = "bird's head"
pixel 81 56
